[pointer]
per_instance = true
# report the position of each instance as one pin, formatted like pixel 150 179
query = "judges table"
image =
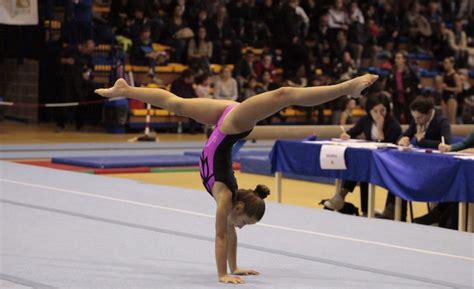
pixel 411 174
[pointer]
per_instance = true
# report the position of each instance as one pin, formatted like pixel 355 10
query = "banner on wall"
pixel 19 12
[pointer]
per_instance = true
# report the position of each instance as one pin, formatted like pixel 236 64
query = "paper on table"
pixel 332 157
pixel 465 157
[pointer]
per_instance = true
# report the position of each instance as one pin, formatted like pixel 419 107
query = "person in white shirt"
pixel 226 86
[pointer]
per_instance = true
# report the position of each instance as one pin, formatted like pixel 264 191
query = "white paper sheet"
pixel 332 157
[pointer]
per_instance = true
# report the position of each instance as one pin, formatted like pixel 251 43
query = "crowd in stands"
pixel 265 44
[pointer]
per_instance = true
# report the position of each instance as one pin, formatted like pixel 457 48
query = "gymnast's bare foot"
pixel 358 84
pixel 115 91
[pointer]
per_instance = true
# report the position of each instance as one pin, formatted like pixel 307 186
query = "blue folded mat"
pixel 129 161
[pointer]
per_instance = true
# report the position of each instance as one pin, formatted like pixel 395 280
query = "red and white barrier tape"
pixel 61 104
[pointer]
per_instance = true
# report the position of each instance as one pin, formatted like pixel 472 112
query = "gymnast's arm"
pixel 224 207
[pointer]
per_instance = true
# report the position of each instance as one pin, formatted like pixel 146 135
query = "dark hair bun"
pixel 262 191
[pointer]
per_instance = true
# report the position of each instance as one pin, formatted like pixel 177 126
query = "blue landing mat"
pixel 239 155
pixel 129 161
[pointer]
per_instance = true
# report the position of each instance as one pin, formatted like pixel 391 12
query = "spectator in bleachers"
pixel 203 86
pixel 348 104
pixel 246 67
pixel 223 37
pixel 437 92
pixel 458 43
pixel 265 64
pixel 183 87
pixel 419 29
pixel 79 20
pixel 200 51
pixel 322 38
pixel 427 126
pixel 201 20
pixel 177 33
pixel 391 23
pixel 225 86
pixel 142 52
pixel 338 18
pixel 339 47
pixel 290 23
pixel 402 84
pixel 268 14
pixel 267 81
pixel 466 99
pixel 451 88
pixel 356 32
pixel 378 125
pixel 346 68
pixel 252 87
pixel 433 14
pixel 440 39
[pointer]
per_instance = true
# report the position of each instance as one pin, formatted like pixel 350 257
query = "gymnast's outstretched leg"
pixel 206 111
pixel 248 113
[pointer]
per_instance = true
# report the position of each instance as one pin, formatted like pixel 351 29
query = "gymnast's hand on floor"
pixel 359 84
pixel 241 271
pixel 115 91
pixel 231 279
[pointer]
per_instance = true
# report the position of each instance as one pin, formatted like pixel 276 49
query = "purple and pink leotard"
pixel 215 163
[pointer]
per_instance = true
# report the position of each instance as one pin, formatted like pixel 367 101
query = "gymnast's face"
pixel 238 218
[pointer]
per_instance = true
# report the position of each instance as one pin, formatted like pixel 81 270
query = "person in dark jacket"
pixel 428 125
pixel 183 87
pixel 402 84
pixel 378 125
pixel 429 128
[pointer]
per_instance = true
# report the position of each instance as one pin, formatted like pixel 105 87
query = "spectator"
pixel 226 86
pixel 378 125
pixel 441 47
pixel 266 64
pixel 222 37
pixel 200 51
pixel 183 87
pixel 458 43
pixel 142 52
pixel 268 82
pixel 402 84
pixel 346 68
pixel 356 31
pixel 466 99
pixel 246 67
pixel 203 86
pixel 419 29
pixel 427 126
pixel 75 66
pixel 322 39
pixel 178 32
pixel 348 104
pixel 452 86
pixel 338 18
pixel 79 20
pixel 253 87
pixel 339 47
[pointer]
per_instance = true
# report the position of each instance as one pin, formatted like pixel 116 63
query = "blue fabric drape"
pixel 410 175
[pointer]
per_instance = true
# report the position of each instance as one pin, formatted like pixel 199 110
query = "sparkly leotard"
pixel 215 163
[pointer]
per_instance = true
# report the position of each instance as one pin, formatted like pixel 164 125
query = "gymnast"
pixel 234 121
